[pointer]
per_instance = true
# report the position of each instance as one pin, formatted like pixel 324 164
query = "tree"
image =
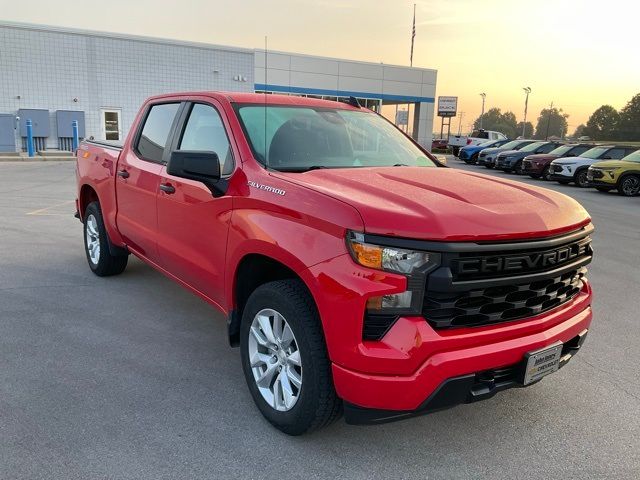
pixel 528 130
pixel 494 119
pixel 603 124
pixel 581 131
pixel 551 123
pixel 629 122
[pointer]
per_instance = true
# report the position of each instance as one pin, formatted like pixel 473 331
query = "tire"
pixel 546 173
pixel 96 244
pixel 580 178
pixel 629 185
pixel 518 168
pixel 314 403
pixel 604 189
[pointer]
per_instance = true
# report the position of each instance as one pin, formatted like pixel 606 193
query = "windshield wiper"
pixel 300 169
pixel 400 165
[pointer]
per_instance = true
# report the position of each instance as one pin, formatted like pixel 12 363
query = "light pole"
pixel 460 123
pixel 484 96
pixel 526 103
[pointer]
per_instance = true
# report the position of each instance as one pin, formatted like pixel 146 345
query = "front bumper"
pixel 531 168
pixel 454 391
pixel 601 183
pixel 557 177
pixel 502 163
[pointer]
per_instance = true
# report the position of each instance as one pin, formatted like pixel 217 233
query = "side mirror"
pixel 200 166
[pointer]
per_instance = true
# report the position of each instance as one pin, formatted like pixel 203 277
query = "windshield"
pixel 561 150
pixel 595 153
pixel 633 157
pixel 532 147
pixel 305 138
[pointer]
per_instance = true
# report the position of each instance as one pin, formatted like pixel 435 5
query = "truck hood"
pixel 445 204
pixel 492 150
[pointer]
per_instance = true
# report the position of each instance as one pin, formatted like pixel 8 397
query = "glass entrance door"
pixel 111 124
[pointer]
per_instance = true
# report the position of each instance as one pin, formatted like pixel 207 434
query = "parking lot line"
pixel 43 211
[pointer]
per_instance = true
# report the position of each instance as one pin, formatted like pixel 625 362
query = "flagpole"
pixel 413 35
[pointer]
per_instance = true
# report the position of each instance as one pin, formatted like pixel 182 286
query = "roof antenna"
pixel 266 155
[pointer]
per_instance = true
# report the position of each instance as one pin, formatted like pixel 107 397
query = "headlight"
pixel 415 264
pixel 392 259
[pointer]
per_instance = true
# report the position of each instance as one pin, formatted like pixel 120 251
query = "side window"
pixel 629 151
pixel 546 148
pixel 155 131
pixel 577 151
pixel 615 153
pixel 205 131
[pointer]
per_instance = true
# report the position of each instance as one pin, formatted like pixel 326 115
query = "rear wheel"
pixel 285 360
pixel 581 179
pixel 96 245
pixel 546 173
pixel 629 186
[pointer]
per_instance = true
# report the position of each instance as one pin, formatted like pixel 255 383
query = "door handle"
pixel 123 173
pixel 167 188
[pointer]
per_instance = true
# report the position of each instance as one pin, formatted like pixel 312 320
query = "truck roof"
pixel 261 98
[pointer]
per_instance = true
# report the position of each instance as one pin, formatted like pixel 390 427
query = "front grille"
pixel 597 173
pixel 501 303
pixel 556 168
pixel 526 164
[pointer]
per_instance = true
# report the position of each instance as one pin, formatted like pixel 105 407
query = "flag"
pixel 413 34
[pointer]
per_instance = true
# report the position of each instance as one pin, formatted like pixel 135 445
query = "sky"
pixel 577 54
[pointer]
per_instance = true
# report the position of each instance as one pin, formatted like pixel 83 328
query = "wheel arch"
pixel 87 195
pixel 251 271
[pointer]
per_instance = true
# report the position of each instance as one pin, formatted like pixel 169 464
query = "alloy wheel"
pixel 275 360
pixel 630 186
pixel 93 239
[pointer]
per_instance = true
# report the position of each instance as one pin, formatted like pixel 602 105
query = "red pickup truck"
pixel 356 273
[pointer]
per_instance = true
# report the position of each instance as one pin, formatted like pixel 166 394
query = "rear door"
pixel 192 224
pixel 138 179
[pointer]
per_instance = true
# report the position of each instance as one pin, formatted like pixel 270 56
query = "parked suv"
pixel 511 160
pixel 487 157
pixel 623 175
pixel 574 169
pixel 539 165
pixel 469 154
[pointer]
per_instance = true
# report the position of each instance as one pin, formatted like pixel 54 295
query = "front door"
pixel 111 124
pixel 192 224
pixel 138 180
pixel 7 133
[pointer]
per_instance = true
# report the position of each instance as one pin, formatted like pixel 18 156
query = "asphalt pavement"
pixel 131 377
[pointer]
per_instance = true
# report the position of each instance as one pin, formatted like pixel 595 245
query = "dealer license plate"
pixel 542 362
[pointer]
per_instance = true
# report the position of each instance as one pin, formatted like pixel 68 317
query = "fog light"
pixel 394 301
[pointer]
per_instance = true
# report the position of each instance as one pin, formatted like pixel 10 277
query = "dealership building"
pixel 54 76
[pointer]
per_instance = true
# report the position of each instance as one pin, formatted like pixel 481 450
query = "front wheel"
pixel 546 173
pixel 629 186
pixel 519 168
pixel 285 360
pixel 581 179
pixel 96 245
